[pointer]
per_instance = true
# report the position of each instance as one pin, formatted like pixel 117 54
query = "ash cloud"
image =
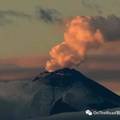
pixel 109 26
pixel 82 34
pixel 49 15
pixel 79 38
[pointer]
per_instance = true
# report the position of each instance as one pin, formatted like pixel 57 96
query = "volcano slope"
pixel 80 93
pixel 55 95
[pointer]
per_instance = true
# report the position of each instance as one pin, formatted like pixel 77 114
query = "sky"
pixel 29 29
pixel 21 36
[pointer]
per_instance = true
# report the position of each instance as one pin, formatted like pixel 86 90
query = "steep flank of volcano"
pixel 81 93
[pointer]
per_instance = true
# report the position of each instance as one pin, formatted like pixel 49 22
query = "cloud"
pixel 27 61
pixel 103 75
pixel 112 85
pixel 83 34
pixel 12 13
pixel 49 15
pixel 7 16
pixel 23 68
pixel 92 5
pixel 109 26
pixel 102 67
pixel 4 20
pixel 19 73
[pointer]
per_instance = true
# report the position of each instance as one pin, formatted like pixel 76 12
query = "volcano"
pixel 64 94
pixel 81 92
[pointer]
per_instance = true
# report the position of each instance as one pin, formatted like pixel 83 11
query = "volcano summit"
pixel 80 93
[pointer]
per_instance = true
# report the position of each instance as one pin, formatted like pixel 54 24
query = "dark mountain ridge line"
pixel 66 78
pixel 71 75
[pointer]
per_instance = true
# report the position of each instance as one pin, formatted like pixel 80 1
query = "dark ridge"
pixel 67 77
pixel 70 78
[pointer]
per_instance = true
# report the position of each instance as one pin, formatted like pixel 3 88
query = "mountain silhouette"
pixel 81 92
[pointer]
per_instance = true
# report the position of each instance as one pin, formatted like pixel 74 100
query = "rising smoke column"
pixel 79 38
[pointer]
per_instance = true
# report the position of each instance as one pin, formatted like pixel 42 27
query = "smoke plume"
pixel 79 37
